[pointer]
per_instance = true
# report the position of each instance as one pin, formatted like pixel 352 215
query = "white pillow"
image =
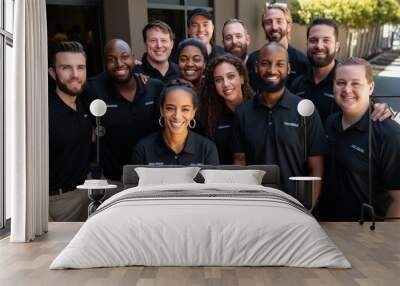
pixel 248 177
pixel 164 176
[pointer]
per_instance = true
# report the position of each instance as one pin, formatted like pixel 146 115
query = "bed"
pixel 201 224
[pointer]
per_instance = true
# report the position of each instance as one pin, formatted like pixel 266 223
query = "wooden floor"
pixel 375 257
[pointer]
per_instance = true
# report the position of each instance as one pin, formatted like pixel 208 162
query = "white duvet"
pixel 265 229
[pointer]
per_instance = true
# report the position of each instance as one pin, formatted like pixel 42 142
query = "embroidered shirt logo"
pixel 149 102
pixel 300 93
pixel 291 124
pixel 359 149
pixel 224 126
pixel 328 95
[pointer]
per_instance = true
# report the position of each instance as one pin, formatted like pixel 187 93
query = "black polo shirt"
pixel 70 143
pixel 346 174
pixel 298 66
pixel 276 136
pixel 223 137
pixel 125 122
pixel 320 94
pixel 215 51
pixel 153 150
pixel 147 69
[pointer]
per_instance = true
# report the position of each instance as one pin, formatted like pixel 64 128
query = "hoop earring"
pixel 192 123
pixel 160 121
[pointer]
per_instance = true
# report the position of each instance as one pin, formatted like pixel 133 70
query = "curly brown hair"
pixel 213 105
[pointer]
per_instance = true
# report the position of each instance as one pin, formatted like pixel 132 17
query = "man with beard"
pixel 317 83
pixel 70 134
pixel 269 130
pixel 277 24
pixel 133 112
pixel 236 38
pixel 159 41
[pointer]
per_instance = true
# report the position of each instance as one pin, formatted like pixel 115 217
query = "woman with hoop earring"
pixel 176 143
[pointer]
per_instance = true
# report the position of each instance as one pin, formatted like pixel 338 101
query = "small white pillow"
pixel 164 176
pixel 248 177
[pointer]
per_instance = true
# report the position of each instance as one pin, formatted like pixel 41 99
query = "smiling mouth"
pixel 272 78
pixel 176 125
pixel 228 92
pixel 319 54
pixel 190 72
pixel 159 53
pixel 122 71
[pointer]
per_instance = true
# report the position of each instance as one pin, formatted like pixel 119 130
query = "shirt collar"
pixel 309 75
pixel 66 108
pixel 284 101
pixel 113 91
pixel 361 125
pixel 163 148
pixel 148 67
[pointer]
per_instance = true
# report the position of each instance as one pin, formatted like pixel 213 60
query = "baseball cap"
pixel 198 11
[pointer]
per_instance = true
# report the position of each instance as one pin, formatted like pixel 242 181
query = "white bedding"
pixel 204 230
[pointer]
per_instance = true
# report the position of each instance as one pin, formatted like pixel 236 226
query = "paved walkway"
pixel 387 77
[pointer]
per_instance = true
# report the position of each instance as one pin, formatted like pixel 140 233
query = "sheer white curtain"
pixel 27 124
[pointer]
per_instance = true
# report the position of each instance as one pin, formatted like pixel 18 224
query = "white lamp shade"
pixel 98 107
pixel 305 108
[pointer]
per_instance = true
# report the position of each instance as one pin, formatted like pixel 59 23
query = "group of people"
pixel 206 104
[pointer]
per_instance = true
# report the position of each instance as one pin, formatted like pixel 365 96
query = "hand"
pixel 144 78
pixel 381 111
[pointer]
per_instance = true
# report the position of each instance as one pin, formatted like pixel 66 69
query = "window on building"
pixel 78 20
pixel 174 12
pixel 6 64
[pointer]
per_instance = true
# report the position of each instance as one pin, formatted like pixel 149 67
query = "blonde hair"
pixel 281 7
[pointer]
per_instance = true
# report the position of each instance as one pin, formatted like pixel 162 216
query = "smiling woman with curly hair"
pixel 226 87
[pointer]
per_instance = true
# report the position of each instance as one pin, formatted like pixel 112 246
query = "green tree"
pixel 349 13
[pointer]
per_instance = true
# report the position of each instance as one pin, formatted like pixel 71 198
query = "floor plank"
pixel 375 257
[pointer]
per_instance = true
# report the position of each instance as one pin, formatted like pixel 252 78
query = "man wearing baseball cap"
pixel 200 25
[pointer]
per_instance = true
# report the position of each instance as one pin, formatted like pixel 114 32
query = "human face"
pixel 201 28
pixel 69 73
pixel 352 90
pixel 177 111
pixel 275 25
pixel 191 63
pixel 272 68
pixel 321 45
pixel 236 40
pixel 158 45
pixel 119 62
pixel 228 83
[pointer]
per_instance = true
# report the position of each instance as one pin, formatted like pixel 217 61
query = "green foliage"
pixel 349 13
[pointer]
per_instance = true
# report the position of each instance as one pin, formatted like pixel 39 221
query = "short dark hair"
pixel 324 21
pixel 192 42
pixel 181 84
pixel 157 24
pixel 231 21
pixel 64 47
pixel 354 61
